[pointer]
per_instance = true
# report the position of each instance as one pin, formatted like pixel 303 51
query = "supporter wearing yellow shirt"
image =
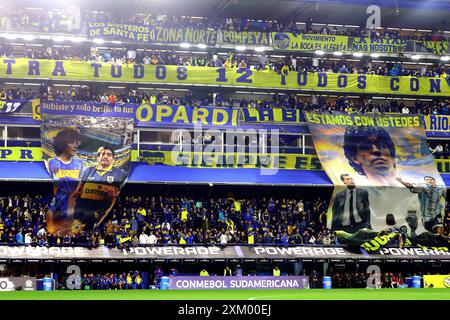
pixel 129 282
pixel 204 273
pixel 230 224
pixel 142 212
pixel 184 214
pixel 251 238
pixel 237 206
pixel 139 282
pixel 276 272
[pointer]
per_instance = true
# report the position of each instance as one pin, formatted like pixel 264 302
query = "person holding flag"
pixel 229 62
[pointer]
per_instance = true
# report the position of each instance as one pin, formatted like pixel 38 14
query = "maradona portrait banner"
pixel 87 152
pixel 388 191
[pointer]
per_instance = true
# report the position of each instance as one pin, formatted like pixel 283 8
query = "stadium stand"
pixel 167 220
pixel 199 218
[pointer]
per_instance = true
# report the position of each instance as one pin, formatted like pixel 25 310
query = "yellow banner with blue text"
pixel 436 123
pixel 20 154
pixel 22 68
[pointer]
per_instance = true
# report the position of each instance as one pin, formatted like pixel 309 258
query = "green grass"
pixel 313 294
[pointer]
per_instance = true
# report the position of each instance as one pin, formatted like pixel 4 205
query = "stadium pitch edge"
pixel 316 294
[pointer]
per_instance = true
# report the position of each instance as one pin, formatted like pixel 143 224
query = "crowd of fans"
pixel 437 106
pixel 367 105
pixel 69 20
pixel 64 20
pixel 176 220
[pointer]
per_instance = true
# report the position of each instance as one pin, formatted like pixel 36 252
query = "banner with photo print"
pixel 87 152
pixel 388 192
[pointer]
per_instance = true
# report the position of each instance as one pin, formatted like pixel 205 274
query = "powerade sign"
pixel 239 282
pixel 216 252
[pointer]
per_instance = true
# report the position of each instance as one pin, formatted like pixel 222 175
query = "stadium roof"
pixel 159 174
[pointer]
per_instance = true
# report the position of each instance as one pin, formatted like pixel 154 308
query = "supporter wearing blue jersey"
pixel 65 170
pixel 99 189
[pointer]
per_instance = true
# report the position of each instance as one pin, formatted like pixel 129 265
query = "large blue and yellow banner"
pixel 87 152
pixel 286 41
pixel 150 114
pixel 388 191
pixel 133 73
pixel 151 33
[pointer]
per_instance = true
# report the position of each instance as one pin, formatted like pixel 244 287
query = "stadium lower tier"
pixel 182 215
pixel 202 216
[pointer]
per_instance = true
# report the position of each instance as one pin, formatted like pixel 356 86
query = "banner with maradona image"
pixel 87 151
pixel 388 191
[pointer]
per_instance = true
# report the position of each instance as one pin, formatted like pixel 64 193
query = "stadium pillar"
pixel 325 268
pixel 298 267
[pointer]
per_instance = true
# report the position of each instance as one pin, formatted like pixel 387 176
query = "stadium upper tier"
pixel 222 98
pixel 64 21
pixel 235 59
pixel 79 24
